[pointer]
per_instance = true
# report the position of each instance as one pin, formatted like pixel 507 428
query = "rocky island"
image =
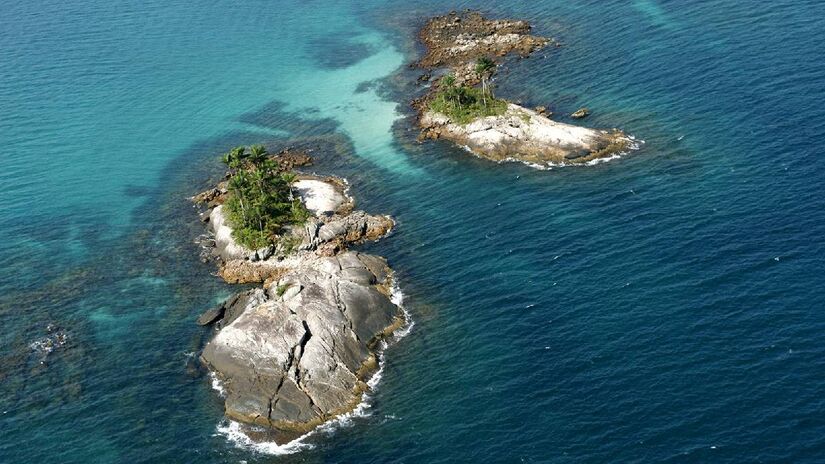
pixel 299 350
pixel 464 49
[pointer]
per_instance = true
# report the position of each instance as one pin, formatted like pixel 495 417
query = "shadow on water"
pixel 337 52
pixel 273 115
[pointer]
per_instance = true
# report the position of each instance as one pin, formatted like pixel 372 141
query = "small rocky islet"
pixel 298 350
pixel 465 49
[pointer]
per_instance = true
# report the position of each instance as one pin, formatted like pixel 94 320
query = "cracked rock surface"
pixel 457 38
pixel 299 351
pixel 302 353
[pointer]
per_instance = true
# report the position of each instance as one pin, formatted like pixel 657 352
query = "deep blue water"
pixel 664 307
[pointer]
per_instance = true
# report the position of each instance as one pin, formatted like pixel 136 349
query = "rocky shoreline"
pixel 453 43
pixel 298 350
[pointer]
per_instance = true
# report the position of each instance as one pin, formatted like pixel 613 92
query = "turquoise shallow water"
pixel 665 307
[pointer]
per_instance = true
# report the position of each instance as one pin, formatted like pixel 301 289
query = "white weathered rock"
pixel 525 135
pixel 225 245
pixel 319 197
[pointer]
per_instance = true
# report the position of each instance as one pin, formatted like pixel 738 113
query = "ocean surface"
pixel 668 306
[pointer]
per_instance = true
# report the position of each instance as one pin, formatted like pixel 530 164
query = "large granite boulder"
pixel 302 353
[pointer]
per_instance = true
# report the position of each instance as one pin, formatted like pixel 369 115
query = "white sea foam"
pixel 397 298
pixel 596 161
pixel 634 145
pixel 56 339
pixel 234 431
pixel 217 385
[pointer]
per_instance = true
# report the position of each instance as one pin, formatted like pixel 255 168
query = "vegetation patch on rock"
pixel 464 104
pixel 260 201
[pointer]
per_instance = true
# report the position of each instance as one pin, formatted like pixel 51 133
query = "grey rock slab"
pixel 295 359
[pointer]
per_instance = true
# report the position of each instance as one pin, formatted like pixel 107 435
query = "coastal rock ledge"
pixel 524 135
pixel 299 351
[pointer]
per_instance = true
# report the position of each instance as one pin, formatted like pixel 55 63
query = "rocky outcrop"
pixel 525 135
pixel 289 159
pixel 457 39
pixel 580 113
pixel 333 228
pixel 304 353
pixel 299 351
pixel 226 312
pixel 326 237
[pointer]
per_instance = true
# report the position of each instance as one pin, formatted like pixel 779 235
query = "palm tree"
pixel 261 198
pixel 237 185
pixel 289 178
pixel 449 87
pixel 485 68
pixel 234 159
pixel 453 93
pixel 257 153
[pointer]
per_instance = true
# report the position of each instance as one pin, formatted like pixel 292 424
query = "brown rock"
pixel 456 39
pixel 580 113
pixel 211 196
pixel 241 271
pixel 289 159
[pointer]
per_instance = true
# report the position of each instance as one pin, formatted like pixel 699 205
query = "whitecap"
pixel 233 431
pixel 217 385
pixel 596 161
pixel 633 145
pixel 397 298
